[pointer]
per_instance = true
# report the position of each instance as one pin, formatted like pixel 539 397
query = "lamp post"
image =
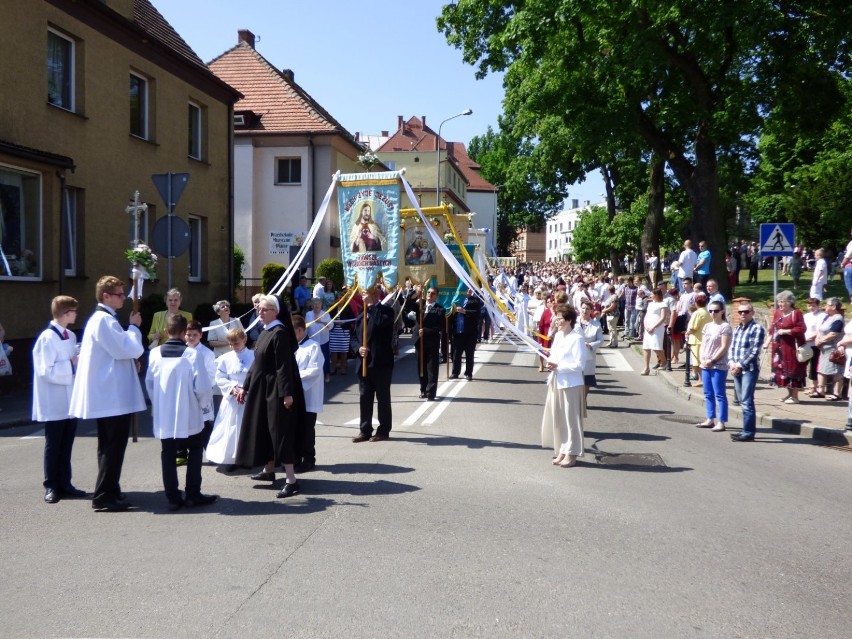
pixel 438 149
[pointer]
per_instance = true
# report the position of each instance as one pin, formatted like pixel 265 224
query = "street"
pixel 459 526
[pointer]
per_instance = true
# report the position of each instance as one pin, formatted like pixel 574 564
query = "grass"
pixel 762 293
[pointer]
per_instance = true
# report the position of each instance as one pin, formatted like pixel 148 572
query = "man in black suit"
pixel 465 324
pixel 377 350
pixel 429 336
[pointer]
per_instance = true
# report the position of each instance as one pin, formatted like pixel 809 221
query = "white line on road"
pixel 615 360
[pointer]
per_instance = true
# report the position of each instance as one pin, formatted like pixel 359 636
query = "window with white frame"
pixel 288 170
pixel 195 248
pixel 195 133
pixel 60 70
pixel 138 106
pixel 20 223
pixel 71 203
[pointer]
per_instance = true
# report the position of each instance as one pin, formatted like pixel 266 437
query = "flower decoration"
pixel 368 159
pixel 143 259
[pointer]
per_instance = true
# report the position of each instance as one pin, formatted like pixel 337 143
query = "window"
pixel 138 106
pixel 288 170
pixel 194 150
pixel 60 70
pixel 71 202
pixel 20 223
pixel 195 246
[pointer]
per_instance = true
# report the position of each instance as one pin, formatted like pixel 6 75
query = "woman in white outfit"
pixel 217 333
pixel 590 329
pixel 231 370
pixel 564 408
pixel 655 322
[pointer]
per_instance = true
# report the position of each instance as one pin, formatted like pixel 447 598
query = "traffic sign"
pixel 181 236
pixel 777 239
pixel 170 184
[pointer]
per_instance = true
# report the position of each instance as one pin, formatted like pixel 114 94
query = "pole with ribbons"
pixel 135 209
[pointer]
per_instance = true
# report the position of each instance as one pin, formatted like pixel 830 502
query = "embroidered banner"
pixel 369 228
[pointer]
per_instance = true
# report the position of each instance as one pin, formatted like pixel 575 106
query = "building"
pixel 559 231
pixel 287 148
pixel 529 246
pixel 99 95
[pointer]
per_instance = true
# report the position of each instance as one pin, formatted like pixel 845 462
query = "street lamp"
pixel 438 149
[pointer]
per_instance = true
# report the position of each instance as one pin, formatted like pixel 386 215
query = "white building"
pixel 559 232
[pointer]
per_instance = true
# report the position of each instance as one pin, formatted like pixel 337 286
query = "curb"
pixel 822 434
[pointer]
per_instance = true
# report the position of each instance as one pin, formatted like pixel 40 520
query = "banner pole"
pixel 364 342
pixel 420 328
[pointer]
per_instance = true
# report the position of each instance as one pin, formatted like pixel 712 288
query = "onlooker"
pixel 655 321
pixel 713 294
pixel 302 296
pixel 694 330
pixel 54 359
pixel 590 329
pixel 820 278
pixel 787 334
pixel 547 328
pixel 687 260
pixel 731 267
pixel 217 334
pixel 828 336
pixel 609 314
pixel 319 287
pixel 630 295
pixel 846 342
pixel 753 262
pixel 813 319
pixel 713 360
pixel 564 407
pixel 702 264
pixel 180 390
pixel 846 265
pixel 254 328
pixel 339 338
pixel 796 267
pixel 107 388
pixel 158 332
pixel 744 367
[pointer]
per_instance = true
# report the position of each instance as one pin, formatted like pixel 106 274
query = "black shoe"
pixel 176 505
pixel 469 378
pixel 422 395
pixel 51 496
pixel 230 468
pixel 304 467
pixel 72 493
pixel 200 500
pixel 742 438
pixel 432 399
pixel 379 438
pixel 263 476
pixel 454 376
pixel 289 490
pixel 110 505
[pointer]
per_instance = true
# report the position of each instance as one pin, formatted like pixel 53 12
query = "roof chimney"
pixel 288 75
pixel 399 122
pixel 424 121
pixel 384 134
pixel 244 35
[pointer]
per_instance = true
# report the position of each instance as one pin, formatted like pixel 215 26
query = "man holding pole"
pixel 107 387
pixel 428 336
pixel 373 340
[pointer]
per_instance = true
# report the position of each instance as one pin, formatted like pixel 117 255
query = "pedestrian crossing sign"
pixel 776 239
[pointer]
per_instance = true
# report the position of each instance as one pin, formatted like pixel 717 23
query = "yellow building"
pixel 96 96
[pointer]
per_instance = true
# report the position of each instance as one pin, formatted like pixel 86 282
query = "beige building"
pixel 96 97
pixel 529 246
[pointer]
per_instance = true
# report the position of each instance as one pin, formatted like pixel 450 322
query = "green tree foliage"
pixel 332 268
pixel 270 274
pixel 239 263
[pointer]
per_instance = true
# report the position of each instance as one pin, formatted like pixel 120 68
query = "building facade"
pixel 559 231
pixel 106 94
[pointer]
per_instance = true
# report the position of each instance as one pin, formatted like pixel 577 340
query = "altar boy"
pixel 54 361
pixel 180 389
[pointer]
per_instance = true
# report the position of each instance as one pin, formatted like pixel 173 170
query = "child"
pixel 231 369
pixel 54 362
pixel 193 339
pixel 179 388
pixel 309 357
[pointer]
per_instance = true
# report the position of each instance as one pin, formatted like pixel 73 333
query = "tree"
pixel 690 79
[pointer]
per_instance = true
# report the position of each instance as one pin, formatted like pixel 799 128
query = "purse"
pixel 5 365
pixel 837 356
pixel 804 353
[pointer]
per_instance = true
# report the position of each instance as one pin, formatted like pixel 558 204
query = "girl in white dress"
pixel 231 370
pixel 655 322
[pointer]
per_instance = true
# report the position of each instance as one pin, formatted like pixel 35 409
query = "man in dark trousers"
pixel 428 336
pixel 465 323
pixel 377 351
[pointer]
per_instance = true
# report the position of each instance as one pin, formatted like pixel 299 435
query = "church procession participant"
pixel 208 359
pixel 428 337
pixel 275 403
pixel 231 371
pixel 54 360
pixel 465 325
pixel 309 358
pixel 180 390
pixel 107 388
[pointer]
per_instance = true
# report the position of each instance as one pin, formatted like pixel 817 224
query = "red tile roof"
pixel 280 105
pixel 414 135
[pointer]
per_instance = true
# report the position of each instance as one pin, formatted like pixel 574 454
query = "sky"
pixel 366 62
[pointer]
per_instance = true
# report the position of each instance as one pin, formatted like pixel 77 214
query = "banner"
pixel 369 228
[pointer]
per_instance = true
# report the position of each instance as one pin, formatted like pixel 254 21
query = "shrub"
pixel 332 268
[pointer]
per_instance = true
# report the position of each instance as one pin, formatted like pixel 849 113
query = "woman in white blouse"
pixel 217 334
pixel 565 408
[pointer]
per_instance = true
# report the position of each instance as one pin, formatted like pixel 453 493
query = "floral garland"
pixel 143 258
pixel 368 159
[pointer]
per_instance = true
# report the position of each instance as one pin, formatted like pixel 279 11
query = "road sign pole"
pixel 775 283
pixel 170 211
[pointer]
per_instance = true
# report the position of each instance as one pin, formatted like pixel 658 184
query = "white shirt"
pixel 310 359
pixel 319 289
pixel 179 389
pixel 688 259
pixel 569 353
pixel 106 383
pixel 317 323
pixel 53 374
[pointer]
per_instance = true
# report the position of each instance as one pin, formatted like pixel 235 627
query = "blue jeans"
pixel 714 393
pixel 744 386
pixel 847 279
pixel 630 322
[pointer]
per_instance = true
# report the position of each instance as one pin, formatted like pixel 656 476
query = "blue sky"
pixel 365 62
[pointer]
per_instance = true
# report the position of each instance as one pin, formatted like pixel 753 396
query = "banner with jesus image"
pixel 369 228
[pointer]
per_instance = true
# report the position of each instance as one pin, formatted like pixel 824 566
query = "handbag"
pixel 804 353
pixel 837 356
pixel 5 365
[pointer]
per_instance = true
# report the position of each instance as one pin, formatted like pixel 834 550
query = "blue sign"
pixel 777 240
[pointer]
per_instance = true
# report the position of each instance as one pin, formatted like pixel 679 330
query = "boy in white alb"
pixel 54 361
pixel 179 388
pixel 309 357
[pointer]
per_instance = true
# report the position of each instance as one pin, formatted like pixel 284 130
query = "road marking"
pixel 615 360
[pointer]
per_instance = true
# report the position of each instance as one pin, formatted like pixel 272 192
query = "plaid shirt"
pixel 745 348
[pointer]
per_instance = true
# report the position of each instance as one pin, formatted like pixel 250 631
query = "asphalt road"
pixel 458 526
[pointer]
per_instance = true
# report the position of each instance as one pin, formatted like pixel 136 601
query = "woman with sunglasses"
pixel 713 359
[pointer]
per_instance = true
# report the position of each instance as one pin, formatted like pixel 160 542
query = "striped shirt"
pixel 745 349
